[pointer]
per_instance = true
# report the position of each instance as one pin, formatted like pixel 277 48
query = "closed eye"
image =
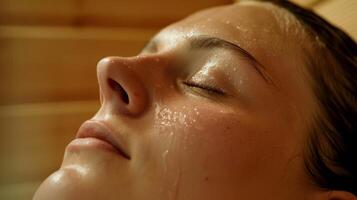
pixel 206 87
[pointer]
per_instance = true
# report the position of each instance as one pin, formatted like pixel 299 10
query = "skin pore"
pixel 217 109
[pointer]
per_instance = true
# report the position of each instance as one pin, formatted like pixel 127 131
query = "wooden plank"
pixel 34 137
pixel 134 13
pixel 40 64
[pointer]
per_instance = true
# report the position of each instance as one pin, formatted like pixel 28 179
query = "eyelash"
pixel 206 87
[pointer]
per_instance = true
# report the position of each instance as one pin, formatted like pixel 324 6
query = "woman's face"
pixel 213 110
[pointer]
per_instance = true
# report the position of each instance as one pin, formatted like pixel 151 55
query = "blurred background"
pixel 48 55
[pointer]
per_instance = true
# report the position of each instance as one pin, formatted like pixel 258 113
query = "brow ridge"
pixel 206 41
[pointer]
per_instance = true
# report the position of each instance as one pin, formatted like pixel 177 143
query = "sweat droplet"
pixel 241 29
pixel 164 159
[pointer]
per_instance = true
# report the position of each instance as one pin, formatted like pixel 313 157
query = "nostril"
pixel 119 89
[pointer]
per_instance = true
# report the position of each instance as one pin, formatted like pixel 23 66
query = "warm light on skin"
pixel 189 143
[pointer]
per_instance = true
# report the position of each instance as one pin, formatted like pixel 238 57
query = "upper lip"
pixel 102 131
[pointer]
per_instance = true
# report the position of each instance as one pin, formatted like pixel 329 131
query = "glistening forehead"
pixel 250 24
pixel 254 18
pixel 286 23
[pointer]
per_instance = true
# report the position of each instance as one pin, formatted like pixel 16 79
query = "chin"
pixel 64 184
pixel 76 182
pixel 87 173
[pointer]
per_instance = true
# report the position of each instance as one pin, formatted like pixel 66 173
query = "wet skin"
pixel 217 109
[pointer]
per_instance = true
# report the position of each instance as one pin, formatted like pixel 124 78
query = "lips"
pixel 101 131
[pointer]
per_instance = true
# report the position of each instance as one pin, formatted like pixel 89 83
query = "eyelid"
pixel 209 88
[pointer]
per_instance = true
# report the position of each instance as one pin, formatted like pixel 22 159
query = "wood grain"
pixel 134 13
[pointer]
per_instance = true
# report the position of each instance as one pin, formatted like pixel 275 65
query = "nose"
pixel 121 89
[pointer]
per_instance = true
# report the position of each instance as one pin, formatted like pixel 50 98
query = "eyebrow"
pixel 203 41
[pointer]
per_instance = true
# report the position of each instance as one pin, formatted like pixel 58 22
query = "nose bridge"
pixel 147 66
pixel 122 85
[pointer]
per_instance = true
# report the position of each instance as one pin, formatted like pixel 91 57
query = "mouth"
pixel 101 131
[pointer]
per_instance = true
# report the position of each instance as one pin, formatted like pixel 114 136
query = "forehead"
pixel 252 25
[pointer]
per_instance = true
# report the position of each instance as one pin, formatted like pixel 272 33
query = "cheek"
pixel 217 143
pixel 205 140
pixel 201 138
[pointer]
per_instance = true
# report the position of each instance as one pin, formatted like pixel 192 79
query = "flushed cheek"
pixel 207 141
pixel 211 144
pixel 198 137
pixel 200 145
pixel 223 145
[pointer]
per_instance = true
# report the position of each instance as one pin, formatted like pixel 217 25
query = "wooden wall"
pixel 48 87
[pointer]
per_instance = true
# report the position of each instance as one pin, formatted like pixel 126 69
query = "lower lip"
pixel 90 143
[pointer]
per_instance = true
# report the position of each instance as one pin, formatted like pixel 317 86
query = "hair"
pixel 330 155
